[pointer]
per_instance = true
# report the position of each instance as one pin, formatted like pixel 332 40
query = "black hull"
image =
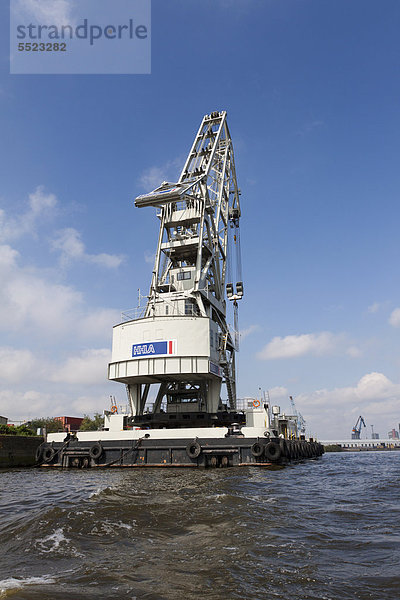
pixel 199 452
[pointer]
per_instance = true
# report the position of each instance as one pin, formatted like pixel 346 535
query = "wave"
pixel 8 586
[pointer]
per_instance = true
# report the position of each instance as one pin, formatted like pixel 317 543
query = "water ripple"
pixel 322 530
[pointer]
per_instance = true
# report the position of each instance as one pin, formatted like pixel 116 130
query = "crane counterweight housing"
pixel 176 355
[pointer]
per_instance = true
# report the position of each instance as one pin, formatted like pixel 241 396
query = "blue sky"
pixel 312 93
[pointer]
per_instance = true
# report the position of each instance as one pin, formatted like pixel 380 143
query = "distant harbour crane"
pixel 356 431
pixel 300 419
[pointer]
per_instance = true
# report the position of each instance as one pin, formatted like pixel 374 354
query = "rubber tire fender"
pixel 289 445
pixel 301 449
pixel 284 448
pixel 293 450
pixel 48 454
pixel 193 449
pixel 39 452
pixel 96 451
pixel 298 449
pixel 257 449
pixel 273 451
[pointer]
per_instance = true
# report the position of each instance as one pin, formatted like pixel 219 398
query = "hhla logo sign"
pixel 165 347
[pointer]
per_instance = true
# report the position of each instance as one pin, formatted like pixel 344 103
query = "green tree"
pixel 49 423
pixel 94 424
pixel 18 430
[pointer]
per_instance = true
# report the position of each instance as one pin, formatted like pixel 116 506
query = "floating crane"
pixel 356 431
pixel 176 355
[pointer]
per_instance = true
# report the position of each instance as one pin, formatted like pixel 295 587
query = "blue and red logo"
pixel 154 348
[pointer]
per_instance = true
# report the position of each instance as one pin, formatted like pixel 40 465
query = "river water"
pixel 323 529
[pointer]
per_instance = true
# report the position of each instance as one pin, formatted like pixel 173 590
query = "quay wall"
pixel 18 450
pixel 362 445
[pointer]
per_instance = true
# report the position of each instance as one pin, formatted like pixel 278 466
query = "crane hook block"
pixel 239 289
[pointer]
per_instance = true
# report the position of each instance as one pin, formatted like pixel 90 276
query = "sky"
pixel 311 88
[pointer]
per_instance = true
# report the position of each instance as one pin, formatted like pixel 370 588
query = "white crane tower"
pixel 182 345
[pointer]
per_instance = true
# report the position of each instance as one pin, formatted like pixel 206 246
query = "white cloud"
pixel 46 323
pixel 374 386
pixel 40 203
pixel 154 176
pixel 333 413
pixel 291 346
pixel 69 242
pixel 34 307
pixel 31 300
pixel 110 261
pixel 28 300
pixel 90 367
pixel 244 333
pixel 310 126
pixel 50 12
pixel 149 257
pixel 27 404
pixel 98 323
pixel 373 308
pixel 16 364
pixel 20 368
pixel 30 303
pixel 8 258
pixel 278 393
pixel 88 404
pixel 394 318
pixel 353 352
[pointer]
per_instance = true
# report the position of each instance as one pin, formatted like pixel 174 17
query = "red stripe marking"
pixel 170 347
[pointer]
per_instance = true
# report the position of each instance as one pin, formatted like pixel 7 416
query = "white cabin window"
pixel 184 275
